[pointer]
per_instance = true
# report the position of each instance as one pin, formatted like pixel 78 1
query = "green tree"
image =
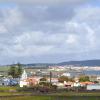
pixel 15 71
pixel 12 71
pixel 71 79
pixel 84 78
pixel 43 79
pixel 62 79
pixel 19 69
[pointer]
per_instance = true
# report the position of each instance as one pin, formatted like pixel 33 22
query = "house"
pixel 9 82
pixel 76 84
pixel 68 84
pixel 33 80
pixel 93 87
pixel 86 83
pixel 98 79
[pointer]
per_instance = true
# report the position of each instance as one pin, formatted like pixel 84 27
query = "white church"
pixel 23 79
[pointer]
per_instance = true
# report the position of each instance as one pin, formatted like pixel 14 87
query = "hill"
pixel 82 63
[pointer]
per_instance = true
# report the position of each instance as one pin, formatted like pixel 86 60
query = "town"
pixel 66 77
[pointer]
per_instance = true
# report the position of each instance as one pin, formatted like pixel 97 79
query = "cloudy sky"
pixel 33 31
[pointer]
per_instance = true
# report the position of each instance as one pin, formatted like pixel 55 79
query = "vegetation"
pixel 84 78
pixel 41 96
pixel 7 88
pixel 71 80
pixel 54 98
pixel 63 78
pixel 15 71
pixel 43 79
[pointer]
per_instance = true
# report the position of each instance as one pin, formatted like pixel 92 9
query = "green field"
pixel 53 98
pixel 5 94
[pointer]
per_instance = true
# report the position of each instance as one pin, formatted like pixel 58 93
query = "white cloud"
pixel 3 29
pixel 49 35
pixel 46 1
pixel 12 17
pixel 72 39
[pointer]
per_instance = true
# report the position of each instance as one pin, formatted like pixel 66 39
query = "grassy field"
pixel 4 68
pixel 57 96
pixel 53 98
pixel 6 95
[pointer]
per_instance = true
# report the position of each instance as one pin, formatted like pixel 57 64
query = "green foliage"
pixel 19 69
pixel 43 79
pixel 12 71
pixel 25 89
pixel 71 79
pixel 63 78
pixel 84 78
pixel 6 88
pixel 45 84
pixel 50 97
pixel 15 71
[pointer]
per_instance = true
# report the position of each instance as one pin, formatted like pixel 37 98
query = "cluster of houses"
pixel 34 80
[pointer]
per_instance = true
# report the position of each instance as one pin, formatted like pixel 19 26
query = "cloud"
pixel 49 33
pixel 3 29
pixel 45 1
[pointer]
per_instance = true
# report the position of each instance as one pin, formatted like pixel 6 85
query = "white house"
pixel 93 87
pixel 76 84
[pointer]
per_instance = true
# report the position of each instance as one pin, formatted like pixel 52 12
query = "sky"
pixel 49 31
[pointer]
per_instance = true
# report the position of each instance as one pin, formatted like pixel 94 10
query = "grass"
pixel 60 96
pixel 4 68
pixel 4 88
pixel 52 98
pixel 77 94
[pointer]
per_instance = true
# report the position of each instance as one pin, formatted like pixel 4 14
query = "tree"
pixel 71 79
pixel 62 79
pixel 15 71
pixel 43 79
pixel 12 71
pixel 19 69
pixel 84 78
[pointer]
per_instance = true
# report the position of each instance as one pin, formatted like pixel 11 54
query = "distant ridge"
pixel 74 63
pixel 82 63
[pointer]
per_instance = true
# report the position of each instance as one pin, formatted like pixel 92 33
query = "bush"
pixel 25 89
pixel 54 87
pixel 45 84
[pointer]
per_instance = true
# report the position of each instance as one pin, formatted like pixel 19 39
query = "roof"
pixel 86 83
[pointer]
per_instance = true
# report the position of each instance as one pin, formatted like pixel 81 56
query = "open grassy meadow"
pixel 5 94
pixel 53 98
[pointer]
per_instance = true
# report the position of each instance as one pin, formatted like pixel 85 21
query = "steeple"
pixel 24 75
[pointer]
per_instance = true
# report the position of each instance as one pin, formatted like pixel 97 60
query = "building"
pixel 28 81
pixel 23 80
pixel 93 87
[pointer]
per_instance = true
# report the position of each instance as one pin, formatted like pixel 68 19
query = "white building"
pixel 93 87
pixel 76 84
pixel 23 79
pixel 66 74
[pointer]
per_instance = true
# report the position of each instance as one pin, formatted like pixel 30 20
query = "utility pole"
pixel 50 77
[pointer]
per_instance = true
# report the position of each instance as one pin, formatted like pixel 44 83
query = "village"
pixel 56 77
